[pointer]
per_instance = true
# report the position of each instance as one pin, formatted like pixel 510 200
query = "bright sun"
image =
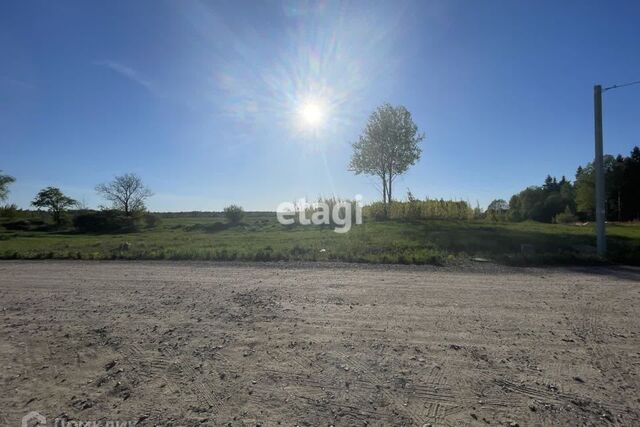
pixel 312 114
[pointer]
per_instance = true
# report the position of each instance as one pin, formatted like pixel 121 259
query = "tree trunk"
pixel 390 182
pixel 383 177
pixel 619 208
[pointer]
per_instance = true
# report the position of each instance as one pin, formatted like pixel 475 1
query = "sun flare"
pixel 312 114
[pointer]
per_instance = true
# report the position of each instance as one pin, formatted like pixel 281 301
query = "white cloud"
pixel 126 72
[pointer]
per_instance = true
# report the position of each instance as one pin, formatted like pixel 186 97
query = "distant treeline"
pixel 207 214
pixel 560 201
pixel 556 200
pixel 566 201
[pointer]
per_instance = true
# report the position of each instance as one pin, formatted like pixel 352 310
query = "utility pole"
pixel 599 164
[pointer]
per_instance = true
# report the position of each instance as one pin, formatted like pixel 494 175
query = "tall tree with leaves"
pixel 498 205
pixel 55 201
pixel 5 180
pixel 387 147
pixel 585 186
pixel 631 186
pixel 127 193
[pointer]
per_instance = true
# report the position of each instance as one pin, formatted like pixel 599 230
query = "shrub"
pixel 414 209
pixel 151 220
pixel 8 211
pixel 376 211
pixel 24 224
pixel 326 206
pixel 105 222
pixel 566 217
pixel 234 214
pixel 20 224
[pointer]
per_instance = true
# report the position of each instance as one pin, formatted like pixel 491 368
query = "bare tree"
pixel 127 193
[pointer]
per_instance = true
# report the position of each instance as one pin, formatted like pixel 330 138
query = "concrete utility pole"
pixel 599 165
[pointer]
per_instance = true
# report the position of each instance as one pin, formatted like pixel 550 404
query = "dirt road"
pixel 217 344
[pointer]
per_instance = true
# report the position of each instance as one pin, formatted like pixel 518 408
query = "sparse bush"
pixel 323 209
pixel 414 209
pixel 234 214
pixel 376 211
pixel 105 222
pixel 151 220
pixel 9 211
pixel 566 217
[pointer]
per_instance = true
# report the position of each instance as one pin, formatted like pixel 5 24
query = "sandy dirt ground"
pixel 160 343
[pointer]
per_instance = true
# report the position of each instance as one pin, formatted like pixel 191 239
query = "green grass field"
pixel 261 238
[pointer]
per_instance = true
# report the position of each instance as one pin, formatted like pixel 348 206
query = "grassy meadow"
pixel 261 238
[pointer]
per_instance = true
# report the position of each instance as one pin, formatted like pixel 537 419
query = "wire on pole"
pixel 621 85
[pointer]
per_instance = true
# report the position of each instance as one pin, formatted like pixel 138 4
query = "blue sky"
pixel 201 99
